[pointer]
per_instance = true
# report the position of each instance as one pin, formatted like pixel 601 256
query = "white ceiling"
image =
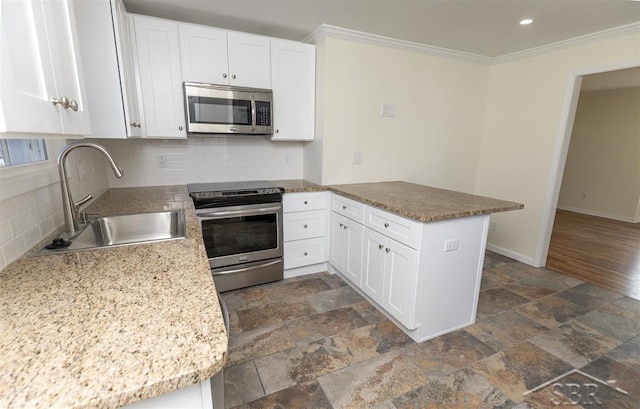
pixel 484 27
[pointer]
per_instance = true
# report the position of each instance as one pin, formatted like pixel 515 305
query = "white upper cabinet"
pixel 215 56
pixel 203 54
pixel 249 60
pixel 40 64
pixel 160 78
pixel 105 47
pixel 293 83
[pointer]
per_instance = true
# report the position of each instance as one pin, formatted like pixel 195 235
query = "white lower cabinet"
pixel 196 396
pixel 407 269
pixel 390 275
pixel 305 230
pixel 346 247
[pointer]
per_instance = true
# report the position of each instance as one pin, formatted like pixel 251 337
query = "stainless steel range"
pixel 242 230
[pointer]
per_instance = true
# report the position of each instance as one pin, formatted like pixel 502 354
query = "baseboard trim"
pixel 511 254
pixel 599 214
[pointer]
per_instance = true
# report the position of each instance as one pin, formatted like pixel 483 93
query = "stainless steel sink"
pixel 124 230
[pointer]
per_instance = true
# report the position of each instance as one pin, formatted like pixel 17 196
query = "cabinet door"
pixel 337 242
pixel 401 271
pixel 39 63
pixel 67 66
pixel 158 58
pixel 353 249
pixel 203 52
pixel 121 26
pixel 293 83
pixel 249 60
pixel 374 265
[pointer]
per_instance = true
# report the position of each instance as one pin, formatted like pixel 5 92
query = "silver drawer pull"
pixel 380 246
pixel 344 207
pixel 386 225
pixel 306 254
pixel 345 227
pixel 387 249
pixel 341 224
pixel 305 226
pixel 305 202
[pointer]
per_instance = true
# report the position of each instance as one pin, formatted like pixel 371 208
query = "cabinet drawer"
pixel 304 225
pixel 348 208
pixel 398 228
pixel 297 202
pixel 304 252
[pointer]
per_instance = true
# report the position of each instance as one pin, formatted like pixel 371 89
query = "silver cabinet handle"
pixel 344 207
pixel 305 226
pixel 305 253
pixel 380 246
pixel 224 75
pixel 233 76
pixel 387 249
pixel 305 202
pixel 341 224
pixel 180 128
pixel 73 105
pixel 64 101
pixel 277 131
pixel 136 125
pixel 345 227
pixel 386 225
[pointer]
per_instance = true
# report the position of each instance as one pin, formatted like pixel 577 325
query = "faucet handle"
pixel 86 217
pixel 82 201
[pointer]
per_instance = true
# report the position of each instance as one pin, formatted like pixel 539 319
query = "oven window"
pixel 204 110
pixel 237 235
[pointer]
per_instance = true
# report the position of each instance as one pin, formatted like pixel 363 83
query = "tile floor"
pixel 313 342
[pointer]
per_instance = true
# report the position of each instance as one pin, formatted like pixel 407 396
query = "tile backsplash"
pixel 202 159
pixel 30 217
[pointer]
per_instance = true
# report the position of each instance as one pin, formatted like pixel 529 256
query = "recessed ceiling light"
pixel 526 21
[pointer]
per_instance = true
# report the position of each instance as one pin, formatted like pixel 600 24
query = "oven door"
pixel 242 234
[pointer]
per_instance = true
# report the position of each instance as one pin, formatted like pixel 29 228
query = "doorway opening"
pixel 595 234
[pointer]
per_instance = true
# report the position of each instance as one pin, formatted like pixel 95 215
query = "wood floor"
pixel 599 251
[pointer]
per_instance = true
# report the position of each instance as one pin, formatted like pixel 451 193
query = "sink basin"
pixel 126 229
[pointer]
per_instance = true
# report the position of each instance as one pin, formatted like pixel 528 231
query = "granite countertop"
pixel 107 327
pixel 422 203
pixel 298 185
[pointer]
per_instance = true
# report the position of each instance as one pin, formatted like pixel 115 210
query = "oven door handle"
pixel 253 113
pixel 241 270
pixel 226 213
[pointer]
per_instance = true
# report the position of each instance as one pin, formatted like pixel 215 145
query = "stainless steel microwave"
pixel 220 109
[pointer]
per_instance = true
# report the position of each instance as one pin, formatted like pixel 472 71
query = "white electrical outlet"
pixel 451 245
pixel 388 110
pixel 162 161
pixel 356 158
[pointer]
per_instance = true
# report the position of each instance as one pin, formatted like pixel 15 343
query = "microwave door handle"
pixel 253 113
pixel 227 213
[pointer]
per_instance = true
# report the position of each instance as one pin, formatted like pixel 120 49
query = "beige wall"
pixel 435 136
pixel 522 139
pixel 603 162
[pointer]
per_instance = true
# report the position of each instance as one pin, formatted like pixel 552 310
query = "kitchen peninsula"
pixel 113 326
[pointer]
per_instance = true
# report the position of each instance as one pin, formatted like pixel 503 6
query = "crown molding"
pixel 326 30
pixel 587 38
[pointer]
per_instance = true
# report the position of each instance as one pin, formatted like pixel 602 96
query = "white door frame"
pixel 560 154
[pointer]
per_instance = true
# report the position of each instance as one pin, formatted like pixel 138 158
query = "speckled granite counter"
pixel 298 185
pixel 422 203
pixel 108 327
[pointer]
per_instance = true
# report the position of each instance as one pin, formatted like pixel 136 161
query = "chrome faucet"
pixel 69 207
